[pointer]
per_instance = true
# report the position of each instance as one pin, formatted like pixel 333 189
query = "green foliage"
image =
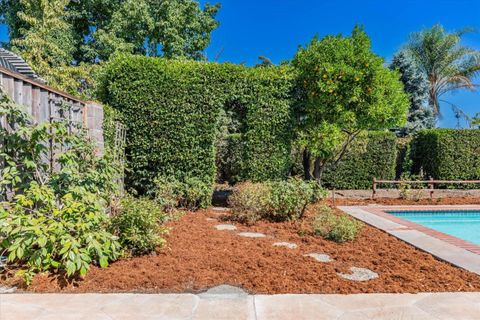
pixel 191 194
pixel 172 111
pixel 273 200
pixel 445 62
pixel 372 154
pixel 289 199
pixel 344 88
pixel 336 227
pixel 138 225
pixel 41 231
pixel 447 154
pixel 46 41
pixel 416 85
pixel 53 218
pixel 250 201
pixel 96 29
pixel 269 123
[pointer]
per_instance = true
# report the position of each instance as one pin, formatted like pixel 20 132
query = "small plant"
pixel 138 225
pixel 339 228
pixel 53 218
pixel 275 200
pixel 250 201
pixel 192 193
pixel 289 199
pixel 41 232
pixel 409 191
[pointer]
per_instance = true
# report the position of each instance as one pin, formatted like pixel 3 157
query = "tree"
pixel 447 64
pixel 170 28
pixel 47 42
pixel 343 88
pixel 416 85
pixel 182 29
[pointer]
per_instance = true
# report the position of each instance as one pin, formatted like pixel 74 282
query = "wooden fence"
pixel 430 182
pixel 44 104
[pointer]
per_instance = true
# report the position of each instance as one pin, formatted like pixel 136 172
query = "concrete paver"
pixel 237 305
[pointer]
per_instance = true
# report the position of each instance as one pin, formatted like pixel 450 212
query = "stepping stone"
pixel 285 244
pixel 320 257
pixel 225 227
pixel 359 274
pixel 252 235
pixel 7 289
pixel 220 210
pixel 224 289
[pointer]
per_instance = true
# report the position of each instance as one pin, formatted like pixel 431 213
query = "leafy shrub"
pixel 45 232
pixel 191 194
pixel 172 110
pixel 339 228
pixel 54 218
pixel 275 200
pixel 447 154
pixel 138 224
pixel 288 199
pixel 250 201
pixel 372 154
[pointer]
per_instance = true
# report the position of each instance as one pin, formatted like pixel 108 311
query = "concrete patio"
pixel 456 306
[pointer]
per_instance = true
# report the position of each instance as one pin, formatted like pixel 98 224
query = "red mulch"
pixel 198 257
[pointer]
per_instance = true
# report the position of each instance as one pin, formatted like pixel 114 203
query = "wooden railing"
pixel 430 182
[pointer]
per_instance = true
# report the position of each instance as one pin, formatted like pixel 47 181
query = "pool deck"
pixel 425 306
pixel 458 252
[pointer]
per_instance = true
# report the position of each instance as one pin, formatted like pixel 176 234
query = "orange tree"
pixel 343 88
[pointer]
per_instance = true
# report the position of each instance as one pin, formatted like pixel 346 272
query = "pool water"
pixel 463 224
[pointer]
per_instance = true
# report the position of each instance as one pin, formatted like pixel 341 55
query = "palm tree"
pixel 447 64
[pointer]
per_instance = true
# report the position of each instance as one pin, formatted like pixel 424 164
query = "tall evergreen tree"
pixel 416 85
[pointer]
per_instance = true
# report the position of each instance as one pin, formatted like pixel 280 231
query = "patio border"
pixel 451 249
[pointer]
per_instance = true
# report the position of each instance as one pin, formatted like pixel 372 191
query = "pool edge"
pixel 451 249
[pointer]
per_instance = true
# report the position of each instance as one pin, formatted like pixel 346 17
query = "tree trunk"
pixel 306 164
pixel 318 170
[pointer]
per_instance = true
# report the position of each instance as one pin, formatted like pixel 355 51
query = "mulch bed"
pixel 198 257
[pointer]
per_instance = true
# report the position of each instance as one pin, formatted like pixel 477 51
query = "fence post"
pixel 374 186
pixel 431 186
pixel 94 123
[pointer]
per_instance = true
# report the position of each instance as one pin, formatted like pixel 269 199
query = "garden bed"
pixel 198 256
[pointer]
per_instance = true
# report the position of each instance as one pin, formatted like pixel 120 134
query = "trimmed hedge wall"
pixel 447 154
pixel 171 109
pixel 371 155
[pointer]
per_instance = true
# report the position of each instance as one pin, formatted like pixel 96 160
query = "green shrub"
pixel 172 110
pixel 447 154
pixel 275 200
pixel 250 201
pixel 339 228
pixel 53 219
pixel 288 199
pixel 191 194
pixel 138 225
pixel 42 232
pixel 371 155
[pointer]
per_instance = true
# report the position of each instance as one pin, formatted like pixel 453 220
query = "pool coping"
pixel 446 247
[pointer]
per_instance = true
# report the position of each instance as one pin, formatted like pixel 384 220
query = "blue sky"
pixel 275 29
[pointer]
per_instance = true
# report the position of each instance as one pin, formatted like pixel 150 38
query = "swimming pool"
pixel 463 224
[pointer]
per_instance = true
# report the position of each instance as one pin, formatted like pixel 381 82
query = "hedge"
pixel 447 154
pixel 371 155
pixel 171 109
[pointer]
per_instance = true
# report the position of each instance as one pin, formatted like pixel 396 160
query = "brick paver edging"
pixel 434 233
